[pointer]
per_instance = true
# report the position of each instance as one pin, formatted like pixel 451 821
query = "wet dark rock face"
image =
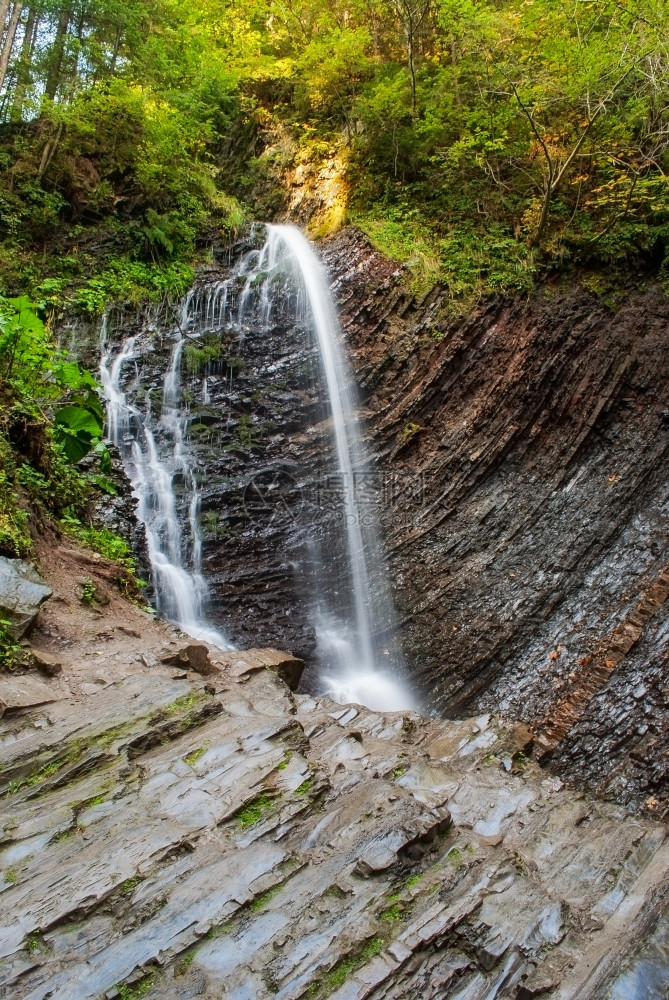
pixel 250 441
pixel 532 436
pixel 259 440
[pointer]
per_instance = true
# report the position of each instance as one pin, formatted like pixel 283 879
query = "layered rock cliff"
pixel 175 835
pixel 530 552
pixel 519 479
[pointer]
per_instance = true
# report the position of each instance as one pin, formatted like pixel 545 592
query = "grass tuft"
pixel 254 811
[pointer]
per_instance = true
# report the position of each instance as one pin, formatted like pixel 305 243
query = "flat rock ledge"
pixel 173 835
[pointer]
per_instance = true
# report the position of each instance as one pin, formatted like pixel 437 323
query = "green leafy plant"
pixel 10 649
pixel 109 545
pixel 88 593
pixel 77 430
pixel 198 356
pixel 36 453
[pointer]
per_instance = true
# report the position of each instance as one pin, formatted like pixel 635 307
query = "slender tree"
pixel 57 54
pixel 8 42
pixel 23 68
pixel 4 10
pixel 411 14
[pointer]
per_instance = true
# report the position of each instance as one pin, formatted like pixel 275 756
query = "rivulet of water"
pixel 155 454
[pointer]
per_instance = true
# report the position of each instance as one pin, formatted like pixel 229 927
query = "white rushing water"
pixel 356 665
pixel 355 673
pixel 352 617
pixel 176 559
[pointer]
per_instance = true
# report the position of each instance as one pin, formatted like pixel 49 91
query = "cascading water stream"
pixel 347 648
pixel 344 578
pixel 180 588
pixel 352 632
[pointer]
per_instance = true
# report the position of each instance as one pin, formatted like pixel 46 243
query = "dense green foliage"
pixel 481 140
pixel 484 142
pixel 50 418
pixel 106 169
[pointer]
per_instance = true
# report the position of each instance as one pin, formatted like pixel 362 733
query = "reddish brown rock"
pixel 47 663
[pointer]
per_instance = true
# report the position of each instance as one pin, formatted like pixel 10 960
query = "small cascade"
pixel 154 453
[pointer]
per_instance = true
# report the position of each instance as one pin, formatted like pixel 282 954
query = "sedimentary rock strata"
pixel 180 836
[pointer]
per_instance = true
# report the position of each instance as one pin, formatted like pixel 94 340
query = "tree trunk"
pixel 49 151
pixel 412 69
pixel 8 43
pixel 545 209
pixel 25 60
pixel 4 10
pixel 117 48
pixel 74 68
pixel 57 53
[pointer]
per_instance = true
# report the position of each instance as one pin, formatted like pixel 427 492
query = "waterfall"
pixel 154 453
pixel 280 280
pixel 358 660
pixel 353 661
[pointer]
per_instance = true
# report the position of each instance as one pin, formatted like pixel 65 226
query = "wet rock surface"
pixel 252 405
pixel 223 836
pixel 520 484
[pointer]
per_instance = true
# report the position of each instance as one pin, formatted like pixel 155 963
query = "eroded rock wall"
pixel 532 436
pixel 521 483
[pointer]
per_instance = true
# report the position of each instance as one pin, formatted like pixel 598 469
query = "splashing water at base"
pixel 371 688
pixel 355 682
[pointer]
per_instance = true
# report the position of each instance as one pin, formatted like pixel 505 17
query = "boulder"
pixel 25 692
pixel 22 593
pixel 47 663
pixel 378 858
pixel 239 665
pixel 195 657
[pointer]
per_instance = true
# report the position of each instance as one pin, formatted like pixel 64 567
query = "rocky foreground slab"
pixel 171 834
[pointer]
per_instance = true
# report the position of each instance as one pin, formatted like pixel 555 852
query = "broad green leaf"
pixel 75 419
